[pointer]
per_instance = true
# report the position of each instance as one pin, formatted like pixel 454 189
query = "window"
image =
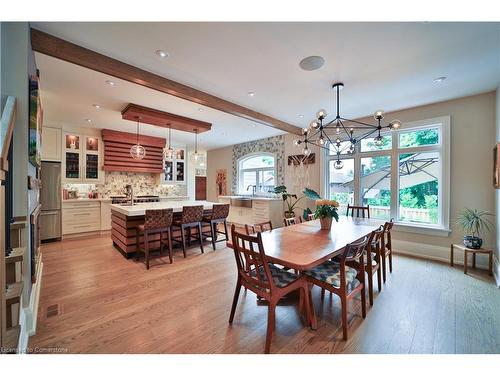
pixel 257 170
pixel 405 178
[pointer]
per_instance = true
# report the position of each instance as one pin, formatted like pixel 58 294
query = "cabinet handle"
pixel 82 226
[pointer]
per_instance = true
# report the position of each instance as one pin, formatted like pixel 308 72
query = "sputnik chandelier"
pixel 347 133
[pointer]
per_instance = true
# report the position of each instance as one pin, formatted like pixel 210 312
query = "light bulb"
pixel 378 115
pixel 351 149
pixel 297 142
pixel 395 124
pixel 305 130
pixel 378 140
pixel 306 151
pixel 321 140
pixel 137 152
pixel 321 114
pixel 338 164
pixel 337 129
pixel 314 124
pixel 195 156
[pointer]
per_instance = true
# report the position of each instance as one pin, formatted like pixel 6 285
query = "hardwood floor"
pixel 93 300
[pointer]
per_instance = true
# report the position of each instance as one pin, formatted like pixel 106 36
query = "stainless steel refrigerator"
pixel 50 216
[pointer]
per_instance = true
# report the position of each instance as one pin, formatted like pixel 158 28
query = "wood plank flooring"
pixel 93 300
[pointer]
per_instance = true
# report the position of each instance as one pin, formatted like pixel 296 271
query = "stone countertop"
pixel 256 198
pixel 87 200
pixel 139 209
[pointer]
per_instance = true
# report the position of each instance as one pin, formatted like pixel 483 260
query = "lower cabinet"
pixel 262 210
pixel 81 217
pixel 105 215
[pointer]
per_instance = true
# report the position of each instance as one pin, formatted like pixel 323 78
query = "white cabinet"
pixel 81 217
pixel 174 168
pixel 82 159
pixel 105 215
pixel 262 210
pixel 51 144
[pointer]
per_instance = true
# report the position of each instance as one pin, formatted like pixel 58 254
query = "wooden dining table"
pixel 304 246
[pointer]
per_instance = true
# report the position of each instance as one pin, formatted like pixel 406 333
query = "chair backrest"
pixel 386 238
pixel 259 227
pixel 291 221
pixel 158 219
pixel 191 214
pixel 354 250
pixel 253 268
pixel 361 211
pixel 220 211
pixel 376 237
pixel 310 217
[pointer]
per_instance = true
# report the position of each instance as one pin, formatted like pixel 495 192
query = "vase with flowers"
pixel 326 209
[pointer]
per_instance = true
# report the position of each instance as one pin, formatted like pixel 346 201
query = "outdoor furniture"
pixel 466 251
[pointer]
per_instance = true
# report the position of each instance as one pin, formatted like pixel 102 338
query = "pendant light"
pixel 168 153
pixel 137 151
pixel 195 155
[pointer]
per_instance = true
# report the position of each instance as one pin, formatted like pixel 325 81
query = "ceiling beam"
pixel 50 45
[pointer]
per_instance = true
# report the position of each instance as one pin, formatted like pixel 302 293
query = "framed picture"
pixel 35 124
pixel 496 171
pixel 221 182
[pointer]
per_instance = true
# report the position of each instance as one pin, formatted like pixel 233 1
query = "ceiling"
pixel 383 65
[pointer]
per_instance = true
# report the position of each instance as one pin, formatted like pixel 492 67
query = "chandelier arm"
pixel 348 133
pixel 359 122
pixel 366 135
pixel 329 140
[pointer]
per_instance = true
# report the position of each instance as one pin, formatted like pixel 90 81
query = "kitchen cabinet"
pixel 105 215
pixel 51 144
pixel 262 210
pixel 174 168
pixel 81 216
pixel 82 159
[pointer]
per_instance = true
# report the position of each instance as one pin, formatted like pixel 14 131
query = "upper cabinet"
pixel 174 168
pixel 51 144
pixel 82 159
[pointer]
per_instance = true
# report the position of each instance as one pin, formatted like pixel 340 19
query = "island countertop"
pixel 139 209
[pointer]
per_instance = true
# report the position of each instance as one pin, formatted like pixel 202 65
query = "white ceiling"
pixel 383 65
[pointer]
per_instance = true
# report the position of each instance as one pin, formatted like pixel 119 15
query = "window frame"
pixel 443 148
pixel 240 171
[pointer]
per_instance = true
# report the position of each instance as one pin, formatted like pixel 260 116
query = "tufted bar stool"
pixel 191 217
pixel 155 222
pixel 219 214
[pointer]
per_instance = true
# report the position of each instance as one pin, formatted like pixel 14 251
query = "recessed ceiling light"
pixel 161 53
pixel 439 79
pixel 88 120
pixel 251 94
pixel 301 116
pixel 96 106
pixel 312 63
pixel 111 83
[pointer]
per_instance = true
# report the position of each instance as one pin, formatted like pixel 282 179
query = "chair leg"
pixel 343 301
pixel 383 266
pixel 213 230
pixel 161 243
pixel 370 286
pixel 390 261
pixel 146 248
pixel 169 235
pixel 225 230
pixel 379 279
pixel 270 325
pixel 137 245
pixel 183 238
pixel 363 301
pixel 235 301
pixel 201 238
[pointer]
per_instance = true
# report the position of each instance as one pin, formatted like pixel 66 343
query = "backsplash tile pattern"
pixel 142 183
pixel 275 145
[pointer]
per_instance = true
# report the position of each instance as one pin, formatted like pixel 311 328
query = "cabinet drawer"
pixel 81 204
pixel 80 227
pixel 82 215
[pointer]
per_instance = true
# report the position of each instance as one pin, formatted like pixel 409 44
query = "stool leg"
pixel 146 248
pixel 183 237
pixel 137 246
pixel 161 243
pixel 225 230
pixel 200 237
pixel 169 235
pixel 213 230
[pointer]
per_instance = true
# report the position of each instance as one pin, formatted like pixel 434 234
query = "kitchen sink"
pixel 242 202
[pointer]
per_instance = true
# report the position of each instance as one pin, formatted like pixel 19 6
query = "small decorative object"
pixel 221 182
pixel 288 199
pixel 326 209
pixel 474 222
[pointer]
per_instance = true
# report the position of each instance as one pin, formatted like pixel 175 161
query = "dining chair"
pixel 191 218
pixel 218 215
pixel 310 217
pixel 292 220
pixel 386 247
pixel 372 260
pixel 361 211
pixel 345 278
pixel 155 222
pixel 258 227
pixel 265 279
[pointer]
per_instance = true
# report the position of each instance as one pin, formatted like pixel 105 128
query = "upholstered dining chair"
pixel 258 227
pixel 386 248
pixel 372 259
pixel 155 222
pixel 218 215
pixel 345 278
pixel 361 211
pixel 266 280
pixel 191 218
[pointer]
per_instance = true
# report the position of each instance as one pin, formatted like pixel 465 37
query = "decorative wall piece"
pixel 300 170
pixel 274 145
pixel 221 182
pixel 35 124
pixel 298 159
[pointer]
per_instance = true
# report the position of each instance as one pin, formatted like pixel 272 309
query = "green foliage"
pixel 324 211
pixel 305 214
pixel 474 222
pixel 419 138
pixel 311 194
pixel 287 197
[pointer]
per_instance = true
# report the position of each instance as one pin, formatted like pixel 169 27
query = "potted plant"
pixel 288 199
pixel 474 222
pixel 326 209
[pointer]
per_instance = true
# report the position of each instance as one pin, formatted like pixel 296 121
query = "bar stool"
pixel 155 222
pixel 219 215
pixel 191 218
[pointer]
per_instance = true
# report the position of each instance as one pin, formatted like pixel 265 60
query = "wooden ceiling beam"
pixel 52 46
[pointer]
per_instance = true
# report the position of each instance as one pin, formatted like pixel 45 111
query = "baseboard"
pixel 437 253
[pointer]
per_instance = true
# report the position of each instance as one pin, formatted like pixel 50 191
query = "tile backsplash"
pixel 142 183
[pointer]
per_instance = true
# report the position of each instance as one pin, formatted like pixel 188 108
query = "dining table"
pixel 304 246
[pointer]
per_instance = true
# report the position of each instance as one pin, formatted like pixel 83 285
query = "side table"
pixel 466 251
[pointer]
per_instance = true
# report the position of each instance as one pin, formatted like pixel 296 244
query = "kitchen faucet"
pixel 130 193
pixel 254 189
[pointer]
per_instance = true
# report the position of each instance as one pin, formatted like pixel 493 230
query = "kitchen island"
pixel 126 218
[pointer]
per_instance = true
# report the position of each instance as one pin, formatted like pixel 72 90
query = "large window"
pixel 256 170
pixel 405 178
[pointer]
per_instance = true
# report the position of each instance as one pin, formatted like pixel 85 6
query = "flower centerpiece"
pixel 326 209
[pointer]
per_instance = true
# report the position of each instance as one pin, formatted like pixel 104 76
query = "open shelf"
pixel 16 255
pixel 13 293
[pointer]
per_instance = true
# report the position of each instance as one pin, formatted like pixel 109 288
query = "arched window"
pixel 257 170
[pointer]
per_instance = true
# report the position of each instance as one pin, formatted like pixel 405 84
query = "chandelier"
pixel 137 151
pixel 341 135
